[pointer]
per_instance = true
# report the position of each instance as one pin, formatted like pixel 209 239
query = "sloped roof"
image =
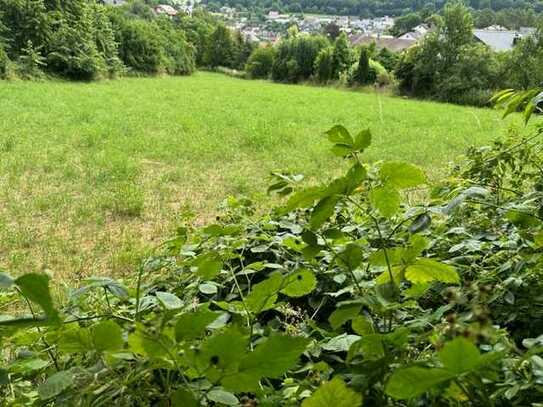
pixel 497 40
pixel 393 44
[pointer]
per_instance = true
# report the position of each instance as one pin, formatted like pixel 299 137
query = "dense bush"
pixel 359 291
pixel 80 39
pixel 4 63
pixel 324 65
pixel 296 56
pixel 449 65
pixel 260 62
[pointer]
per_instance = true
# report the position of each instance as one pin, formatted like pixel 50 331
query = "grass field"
pixel 92 176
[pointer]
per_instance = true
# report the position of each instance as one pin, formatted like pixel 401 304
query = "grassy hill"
pixel 94 175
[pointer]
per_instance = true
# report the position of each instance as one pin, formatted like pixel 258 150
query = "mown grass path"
pixel 94 175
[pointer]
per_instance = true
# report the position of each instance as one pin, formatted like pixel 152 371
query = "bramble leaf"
pixel 344 314
pixel 406 383
pixel 401 175
pixel 386 200
pixel 192 325
pixel 300 283
pixel 55 384
pixel 428 270
pixel 35 287
pixel 333 393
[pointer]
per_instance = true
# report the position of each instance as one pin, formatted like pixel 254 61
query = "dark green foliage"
pixel 405 23
pixel 260 62
pixel 4 63
pixel 324 65
pixel 72 48
pixel 220 48
pixel 243 48
pixel 449 65
pixel 82 40
pixel 177 54
pixel 387 58
pixel 369 8
pixel 342 57
pixel 139 45
pixel 31 62
pixel 295 57
pixel 363 75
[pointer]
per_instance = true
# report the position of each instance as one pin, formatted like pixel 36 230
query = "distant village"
pixel 361 31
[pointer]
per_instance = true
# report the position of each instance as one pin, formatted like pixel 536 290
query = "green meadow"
pixel 95 175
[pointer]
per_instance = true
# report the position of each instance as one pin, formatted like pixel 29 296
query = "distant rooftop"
pixel 497 40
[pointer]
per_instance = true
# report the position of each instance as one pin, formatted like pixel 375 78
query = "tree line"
pixel 367 8
pixel 85 40
pixel 449 64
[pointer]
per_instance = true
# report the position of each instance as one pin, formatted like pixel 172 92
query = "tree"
pixel 324 65
pixel 363 69
pixel 220 50
pixel 342 57
pixel 260 62
pixel 405 23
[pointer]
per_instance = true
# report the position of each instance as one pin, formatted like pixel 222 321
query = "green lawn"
pixel 94 175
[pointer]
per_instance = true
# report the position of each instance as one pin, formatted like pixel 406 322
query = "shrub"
pixel 362 73
pixel 220 48
pixel 5 63
pixel 260 62
pixel 324 65
pixel 295 57
pixel 178 55
pixel 30 63
pixel 72 49
pixel 140 45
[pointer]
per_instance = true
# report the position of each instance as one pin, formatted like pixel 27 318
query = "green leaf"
pixel 459 356
pixel 386 200
pixel 401 175
pixel 264 294
pixel 209 266
pixel 270 359
pixel 427 270
pixel 221 353
pixel 333 393
pixel 223 397
pixel 362 326
pixel 351 256
pixel 353 179
pixel 55 385
pixel 107 336
pixel 35 287
pixel 300 283
pixel 168 300
pixel 183 398
pixel 146 345
pixel 343 314
pixel 193 325
pixel 362 140
pixel 340 343
pixel 302 199
pixel 370 345
pixel 342 150
pixel 323 211
pixel 411 382
pixel 339 134
pixel 75 339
